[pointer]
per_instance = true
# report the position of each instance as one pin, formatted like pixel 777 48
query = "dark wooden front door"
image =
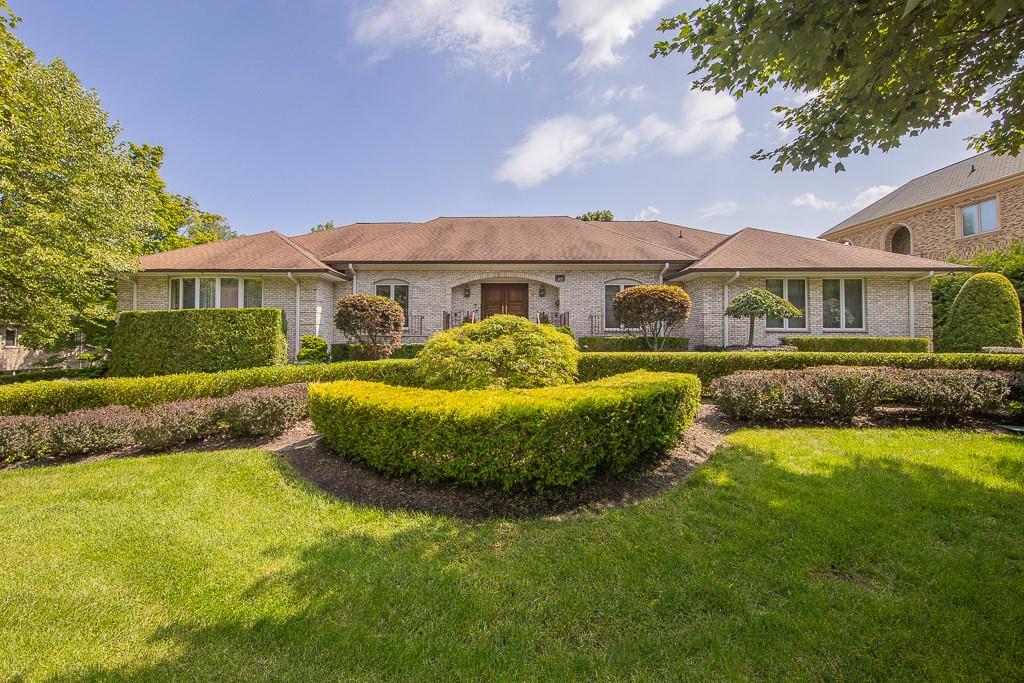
pixel 512 299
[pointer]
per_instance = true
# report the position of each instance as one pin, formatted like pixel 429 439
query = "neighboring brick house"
pixel 545 268
pixel 974 204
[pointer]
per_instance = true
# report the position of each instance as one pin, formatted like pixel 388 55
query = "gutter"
pixel 910 298
pixel 297 304
pixel 661 275
pixel 725 304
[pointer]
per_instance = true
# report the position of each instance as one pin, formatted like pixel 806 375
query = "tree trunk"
pixel 750 340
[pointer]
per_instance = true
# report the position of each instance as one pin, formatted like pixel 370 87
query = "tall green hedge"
pixel 199 340
pixel 860 344
pixel 548 436
pixel 986 312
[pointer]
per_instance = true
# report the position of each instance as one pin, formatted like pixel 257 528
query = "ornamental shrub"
pixel 950 394
pixel 374 322
pixel 504 351
pixel 654 310
pixel 860 344
pixel 313 349
pixel 199 340
pixel 760 303
pixel 986 312
pixel 551 436
pixel 621 343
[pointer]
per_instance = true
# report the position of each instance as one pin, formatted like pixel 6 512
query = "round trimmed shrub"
pixel 986 312
pixel 654 310
pixel 551 436
pixel 502 351
pixel 373 322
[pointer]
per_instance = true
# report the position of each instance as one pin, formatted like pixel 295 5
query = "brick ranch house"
pixel 974 204
pixel 555 268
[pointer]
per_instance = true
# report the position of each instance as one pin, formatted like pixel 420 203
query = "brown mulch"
pixel 351 481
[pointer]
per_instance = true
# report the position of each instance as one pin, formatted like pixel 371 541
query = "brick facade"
pixel 935 230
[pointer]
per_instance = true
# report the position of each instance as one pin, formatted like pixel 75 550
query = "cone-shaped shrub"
pixel 986 312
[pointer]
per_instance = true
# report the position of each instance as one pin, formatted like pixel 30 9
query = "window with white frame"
pixel 611 289
pixel 215 292
pixel 795 292
pixel 10 336
pixel 397 291
pixel 978 218
pixel 842 304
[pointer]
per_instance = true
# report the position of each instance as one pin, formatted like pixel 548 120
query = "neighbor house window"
pixel 398 292
pixel 611 289
pixel 842 304
pixel 979 218
pixel 794 291
pixel 214 292
pixel 10 337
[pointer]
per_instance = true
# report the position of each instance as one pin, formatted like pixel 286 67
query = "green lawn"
pixel 793 554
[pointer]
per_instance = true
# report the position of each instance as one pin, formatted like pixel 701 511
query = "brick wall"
pixel 935 232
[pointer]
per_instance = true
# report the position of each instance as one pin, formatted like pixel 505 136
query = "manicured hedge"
pixel 52 398
pixel 709 365
pixel 53 373
pixel 629 344
pixel 860 344
pixel 551 436
pixel 340 352
pixel 200 340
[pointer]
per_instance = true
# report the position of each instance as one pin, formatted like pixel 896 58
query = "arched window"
pixel 396 290
pixel 899 242
pixel 611 288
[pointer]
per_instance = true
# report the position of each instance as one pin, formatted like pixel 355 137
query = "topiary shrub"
pixel 313 349
pixel 504 351
pixel 654 310
pixel 374 322
pixel 198 340
pixel 760 303
pixel 986 312
pixel 552 436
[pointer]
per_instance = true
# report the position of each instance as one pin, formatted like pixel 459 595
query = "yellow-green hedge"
pixel 551 436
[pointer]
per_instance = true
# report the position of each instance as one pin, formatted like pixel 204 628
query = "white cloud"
pixel 863 198
pixel 571 142
pixel 718 209
pixel 492 35
pixel 632 93
pixel 602 26
pixel 651 213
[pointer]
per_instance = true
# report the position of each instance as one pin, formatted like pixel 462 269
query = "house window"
pixel 611 289
pixel 214 292
pixel 795 292
pixel 979 218
pixel 10 336
pixel 398 292
pixel 842 304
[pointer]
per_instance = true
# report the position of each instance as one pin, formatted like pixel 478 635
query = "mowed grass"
pixel 792 554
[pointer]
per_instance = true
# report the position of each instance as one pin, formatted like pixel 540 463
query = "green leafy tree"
pixel 760 303
pixel 599 215
pixel 873 71
pixel 986 312
pixel 373 322
pixel 327 225
pixel 655 310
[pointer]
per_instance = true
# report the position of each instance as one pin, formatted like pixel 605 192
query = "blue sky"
pixel 281 114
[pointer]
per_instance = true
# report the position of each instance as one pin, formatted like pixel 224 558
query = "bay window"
pixel 793 291
pixel 842 304
pixel 215 292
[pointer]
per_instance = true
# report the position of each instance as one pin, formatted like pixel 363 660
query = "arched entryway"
pixel 899 240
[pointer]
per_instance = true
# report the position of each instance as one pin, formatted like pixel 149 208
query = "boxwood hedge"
pixel 52 398
pixel 622 343
pixel 860 344
pixel 550 436
pixel 198 340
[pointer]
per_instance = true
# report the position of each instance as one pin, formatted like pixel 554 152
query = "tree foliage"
pixel 986 312
pixel 373 322
pixel 602 215
pixel 655 310
pixel 326 225
pixel 872 71
pixel 760 303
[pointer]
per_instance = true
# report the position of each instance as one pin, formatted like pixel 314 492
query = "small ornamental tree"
pixel 760 303
pixel 374 323
pixel 655 310
pixel 986 312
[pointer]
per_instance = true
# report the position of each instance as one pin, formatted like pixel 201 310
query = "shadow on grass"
pixel 872 567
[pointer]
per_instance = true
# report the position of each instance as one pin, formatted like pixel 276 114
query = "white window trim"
pixel 216 292
pixel 842 305
pixel 976 205
pixel 622 284
pixel 785 295
pixel 390 284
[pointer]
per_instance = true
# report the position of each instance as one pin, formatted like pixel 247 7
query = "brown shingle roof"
pixel 976 171
pixel 326 242
pixel 691 240
pixel 760 250
pixel 266 251
pixel 514 238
